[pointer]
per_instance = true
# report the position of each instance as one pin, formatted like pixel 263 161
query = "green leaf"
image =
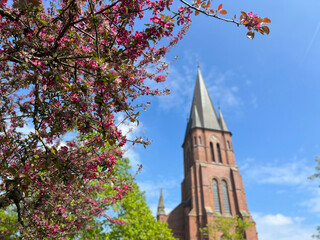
pixel 98 100
pixel 13 171
pixel 4 140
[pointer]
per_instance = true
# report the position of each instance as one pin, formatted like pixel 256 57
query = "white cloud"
pixel 181 88
pixel 134 158
pixel 293 173
pixel 27 129
pixel 131 130
pixel 128 128
pixel 181 81
pixel 276 220
pixel 281 227
pixel 313 203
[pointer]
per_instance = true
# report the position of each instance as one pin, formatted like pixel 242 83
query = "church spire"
pixel 202 114
pixel 161 206
pixel 223 124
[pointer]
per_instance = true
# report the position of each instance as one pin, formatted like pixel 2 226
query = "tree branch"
pixel 208 14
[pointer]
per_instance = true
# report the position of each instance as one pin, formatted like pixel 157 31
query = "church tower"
pixel 212 184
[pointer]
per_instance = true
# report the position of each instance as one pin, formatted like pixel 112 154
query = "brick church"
pixel 212 184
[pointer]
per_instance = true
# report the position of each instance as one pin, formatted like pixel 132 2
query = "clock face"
pixel 213 138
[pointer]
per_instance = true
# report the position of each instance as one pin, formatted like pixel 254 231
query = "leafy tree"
pixel 71 66
pixel 8 225
pixel 230 228
pixel 316 176
pixel 139 222
pixel 132 213
pixel 317 236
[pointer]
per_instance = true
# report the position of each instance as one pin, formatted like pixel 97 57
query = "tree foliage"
pixel 229 228
pixel 132 213
pixel 313 177
pixel 8 225
pixel 139 223
pixel 134 217
pixel 71 66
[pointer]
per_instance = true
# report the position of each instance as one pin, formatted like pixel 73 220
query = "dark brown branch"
pixel 10 16
pixel 209 14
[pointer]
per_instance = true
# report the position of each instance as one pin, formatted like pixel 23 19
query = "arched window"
pixel 199 140
pixel 212 152
pixel 226 197
pixel 216 198
pixel 195 140
pixel 219 153
pixel 228 144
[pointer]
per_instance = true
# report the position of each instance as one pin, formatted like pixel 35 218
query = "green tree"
pixel 140 224
pixel 229 228
pixel 313 177
pixel 8 225
pixel 133 218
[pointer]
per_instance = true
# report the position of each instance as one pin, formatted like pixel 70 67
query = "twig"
pixel 208 14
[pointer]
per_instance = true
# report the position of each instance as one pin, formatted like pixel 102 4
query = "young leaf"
pixel 250 35
pixel 266 20
pixel 223 12
pixel 244 14
pixel 220 7
pixel 266 29
pixel 208 4
pixel 196 12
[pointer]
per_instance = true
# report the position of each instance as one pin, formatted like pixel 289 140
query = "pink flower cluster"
pixel 251 21
pixel 68 72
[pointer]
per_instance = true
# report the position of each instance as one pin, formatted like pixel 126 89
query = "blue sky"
pixel 268 91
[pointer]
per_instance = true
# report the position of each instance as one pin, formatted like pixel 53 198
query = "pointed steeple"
pixel 223 124
pixel 202 114
pixel 161 210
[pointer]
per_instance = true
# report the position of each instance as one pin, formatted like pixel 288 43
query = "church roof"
pixel 161 205
pixel 203 113
pixel 223 124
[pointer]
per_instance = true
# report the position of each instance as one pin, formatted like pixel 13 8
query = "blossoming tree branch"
pixel 71 66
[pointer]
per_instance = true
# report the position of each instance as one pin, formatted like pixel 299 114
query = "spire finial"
pixel 198 64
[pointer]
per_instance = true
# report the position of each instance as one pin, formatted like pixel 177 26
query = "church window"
pixel 219 153
pixel 199 140
pixel 216 198
pixel 228 144
pixel 212 152
pixel 226 197
pixel 195 140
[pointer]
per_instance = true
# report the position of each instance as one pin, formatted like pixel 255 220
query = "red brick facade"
pixel 204 163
